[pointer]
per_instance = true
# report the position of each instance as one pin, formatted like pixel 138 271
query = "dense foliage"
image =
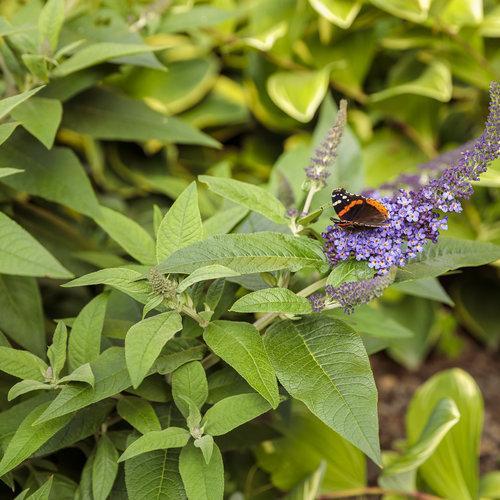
pixel 179 317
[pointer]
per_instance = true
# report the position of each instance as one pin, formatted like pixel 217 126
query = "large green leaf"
pixel 198 16
pixel 303 443
pixel 98 53
pixel 253 197
pixel 50 23
pixel 240 345
pixel 85 340
pixel 22 314
pixel 189 382
pixel 173 437
pixel 339 12
pixel 204 274
pixel 29 437
pixel 54 174
pixel 452 470
pixel 443 417
pixel 299 94
pixel 281 300
pixel 9 103
pixel 413 10
pixel 40 117
pixel 322 362
pixel 145 340
pixel 248 253
pixel 181 226
pixel 449 254
pixel 310 487
pixel 22 255
pixel 428 288
pixel 104 468
pixel 222 222
pixel 231 412
pixel 128 234
pixel 154 475
pixel 202 480
pixel 138 413
pixel 106 115
pixel 111 377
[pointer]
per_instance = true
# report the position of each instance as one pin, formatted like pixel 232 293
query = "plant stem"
pixel 310 195
pixel 313 287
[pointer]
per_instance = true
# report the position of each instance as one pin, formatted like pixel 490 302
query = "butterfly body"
pixel 358 212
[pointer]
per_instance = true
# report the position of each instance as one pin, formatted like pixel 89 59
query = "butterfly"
pixel 358 212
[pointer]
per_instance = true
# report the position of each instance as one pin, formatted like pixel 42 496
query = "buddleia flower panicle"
pixel 161 285
pixel 352 294
pixel 317 301
pixel 416 215
pixel 326 153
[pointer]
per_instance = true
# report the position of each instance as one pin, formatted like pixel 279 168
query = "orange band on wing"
pixel 378 206
pixel 346 209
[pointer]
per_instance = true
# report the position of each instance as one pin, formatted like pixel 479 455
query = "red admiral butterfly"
pixel 357 212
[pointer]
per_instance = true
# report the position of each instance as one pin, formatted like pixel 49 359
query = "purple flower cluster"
pixel 326 152
pixel 415 216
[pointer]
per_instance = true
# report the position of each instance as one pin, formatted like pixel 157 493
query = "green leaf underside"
pixel 322 362
pixel 9 103
pixel 22 364
pixel 145 340
pixel 173 437
pixel 248 253
pixel 241 346
pixel 104 468
pixel 206 273
pixel 272 300
pixel 248 195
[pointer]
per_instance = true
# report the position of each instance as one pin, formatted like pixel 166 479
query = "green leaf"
pixel 57 351
pixel 248 253
pixel 26 386
pixel 22 255
pixel 241 346
pixel 85 338
pixel 198 16
pixel 322 362
pixel 181 225
pixel 173 437
pixel 250 196
pixel 9 103
pixel 154 475
pixel 123 279
pixel 299 94
pixel 104 468
pixel 50 22
pixel 189 381
pixel 231 412
pixel 281 300
pixel 138 413
pixel 347 271
pixel 449 254
pixel 81 374
pixel 40 117
pixel 43 493
pixel 452 470
pixel 111 377
pixel 128 234
pixel 206 445
pixel 202 480
pixel 341 13
pixel 443 417
pixel 204 274
pixel 145 340
pixel 22 364
pixel 412 10
pixel 222 222
pixel 428 288
pixel 29 437
pixel 22 315
pixel 302 444
pixel 105 115
pixel 434 82
pixel 309 488
pixel 177 353
pixel 98 53
pixel 490 485
pixel 54 174
pixel 6 130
